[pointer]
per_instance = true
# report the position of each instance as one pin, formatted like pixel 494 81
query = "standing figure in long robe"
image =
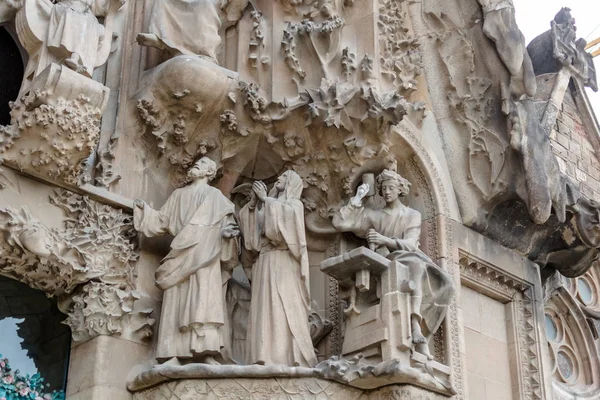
pixel 500 25
pixel 190 27
pixel 194 274
pixel 75 36
pixel 278 330
pixel 394 232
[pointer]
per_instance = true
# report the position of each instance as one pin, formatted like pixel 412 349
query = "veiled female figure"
pixel 273 226
pixel 394 231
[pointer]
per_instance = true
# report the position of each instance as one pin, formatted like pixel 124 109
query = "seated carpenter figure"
pixel 394 232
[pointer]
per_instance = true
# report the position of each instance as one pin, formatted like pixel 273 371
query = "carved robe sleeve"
pixel 250 221
pixel 354 219
pixel 151 222
pixel 100 7
pixel 284 223
pixel 411 236
pixel 229 248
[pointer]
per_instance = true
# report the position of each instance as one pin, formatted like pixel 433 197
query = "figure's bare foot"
pixel 149 40
pixel 417 334
pixel 418 338
pixel 423 348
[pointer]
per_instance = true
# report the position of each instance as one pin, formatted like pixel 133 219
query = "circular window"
pixel 551 328
pixel 565 365
pixel 585 291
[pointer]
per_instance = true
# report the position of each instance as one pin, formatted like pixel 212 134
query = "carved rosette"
pixel 89 265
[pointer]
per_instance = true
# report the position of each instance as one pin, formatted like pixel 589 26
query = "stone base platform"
pixel 332 379
pixel 277 388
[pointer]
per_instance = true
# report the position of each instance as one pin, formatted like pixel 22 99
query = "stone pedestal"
pixel 378 323
pixel 378 317
pixel 98 368
pixel 277 388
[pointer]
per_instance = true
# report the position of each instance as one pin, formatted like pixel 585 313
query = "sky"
pixel 10 347
pixel 534 16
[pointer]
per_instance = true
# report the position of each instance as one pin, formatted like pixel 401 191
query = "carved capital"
pixel 89 264
pixel 99 308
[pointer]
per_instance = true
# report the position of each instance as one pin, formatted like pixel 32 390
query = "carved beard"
pixel 197 175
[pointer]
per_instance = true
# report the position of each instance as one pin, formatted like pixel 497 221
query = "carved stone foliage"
pixel 52 131
pixel 313 8
pixel 256 49
pixel 308 32
pixel 99 308
pixel 326 134
pixel 89 264
pixel 471 99
pixel 499 285
pixel 554 203
pixel 106 164
pixel 400 54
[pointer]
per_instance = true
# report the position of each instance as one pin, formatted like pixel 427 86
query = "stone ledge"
pixel 355 376
pixel 278 388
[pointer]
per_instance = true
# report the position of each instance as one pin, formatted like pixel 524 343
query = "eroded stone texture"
pixel 306 388
pixel 295 106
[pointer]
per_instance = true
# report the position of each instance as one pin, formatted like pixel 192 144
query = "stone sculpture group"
pixel 279 145
pixel 207 235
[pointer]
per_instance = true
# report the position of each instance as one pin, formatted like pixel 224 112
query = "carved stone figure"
pixel 190 27
pixel 75 34
pixel 273 226
pixel 394 232
pixel 67 32
pixel 195 273
pixel 8 10
pixel 501 27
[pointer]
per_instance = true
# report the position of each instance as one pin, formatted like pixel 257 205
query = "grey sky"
pixel 534 16
pixel 10 347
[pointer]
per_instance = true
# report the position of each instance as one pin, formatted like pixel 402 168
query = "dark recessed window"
pixel 32 335
pixel 11 74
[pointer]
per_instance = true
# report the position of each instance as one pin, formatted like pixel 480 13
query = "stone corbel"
pixel 55 125
pixel 89 265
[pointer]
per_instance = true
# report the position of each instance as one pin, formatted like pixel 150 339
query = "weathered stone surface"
pixel 297 104
pixel 307 388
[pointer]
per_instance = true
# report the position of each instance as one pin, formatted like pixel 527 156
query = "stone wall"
pixel 570 141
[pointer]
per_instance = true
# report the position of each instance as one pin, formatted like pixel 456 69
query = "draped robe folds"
pixel 278 330
pixel 403 225
pixel 74 28
pixel 195 272
pixel 500 25
pixel 190 27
